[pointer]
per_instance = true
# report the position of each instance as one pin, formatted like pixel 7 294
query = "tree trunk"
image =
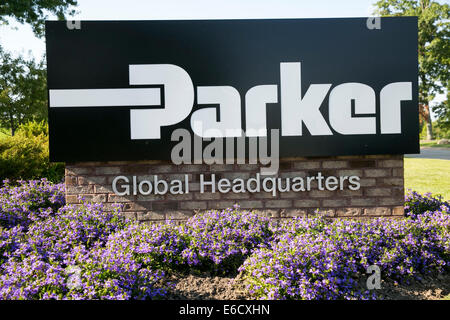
pixel 429 125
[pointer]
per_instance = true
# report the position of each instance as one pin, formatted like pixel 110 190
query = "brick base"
pixel 381 193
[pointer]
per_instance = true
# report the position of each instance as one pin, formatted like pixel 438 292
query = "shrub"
pixel 220 240
pixel 416 203
pixel 33 129
pixel 31 278
pixel 101 274
pixel 159 246
pixel 42 241
pixel 10 240
pixel 76 238
pixel 303 265
pixel 326 260
pixel 109 274
pixel 87 225
pixel 26 155
pixel 87 252
pixel 29 201
pixel 214 241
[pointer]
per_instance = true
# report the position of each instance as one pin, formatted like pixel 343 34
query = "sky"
pixel 19 38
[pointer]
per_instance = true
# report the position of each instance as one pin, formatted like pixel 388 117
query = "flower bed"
pixel 316 259
pixel 52 251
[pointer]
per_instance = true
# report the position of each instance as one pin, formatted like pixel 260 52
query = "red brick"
pixel 397 172
pixel 348 212
pixel 193 205
pixel 96 198
pixel 71 198
pixel 377 211
pixel 79 189
pixel 398 211
pixel 307 165
pixel 375 173
pixel 107 170
pixel 236 196
pixel 334 164
pixel 288 213
pixel 271 213
pixel 207 196
pixel 350 173
pixel 381 185
pixel 116 198
pixel 378 192
pixel 91 180
pixel 221 204
pixel 362 164
pixel 278 203
pixel 389 201
pixel 393 181
pixel 334 203
pixel 367 182
pixel 306 203
pixel 390 163
pixel 150 215
pixel 70 180
pixel 179 214
pixel 251 204
pixel 166 205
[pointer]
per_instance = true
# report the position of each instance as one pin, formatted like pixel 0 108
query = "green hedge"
pixel 26 156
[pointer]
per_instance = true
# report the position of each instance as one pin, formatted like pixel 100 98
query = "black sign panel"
pixel 119 89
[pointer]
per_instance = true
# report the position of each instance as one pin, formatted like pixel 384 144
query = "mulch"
pixel 207 287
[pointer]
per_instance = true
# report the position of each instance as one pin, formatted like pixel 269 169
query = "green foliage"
pixel 416 203
pixel 433 44
pixel 23 91
pixel 423 132
pixel 35 12
pixel 440 131
pixel 434 47
pixel 443 123
pixel 33 129
pixel 26 155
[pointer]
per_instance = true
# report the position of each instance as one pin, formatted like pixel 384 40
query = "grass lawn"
pixel 433 144
pixel 428 175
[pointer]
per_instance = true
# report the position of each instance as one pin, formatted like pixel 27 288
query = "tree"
pixel 35 12
pixel 442 110
pixel 434 46
pixel 23 94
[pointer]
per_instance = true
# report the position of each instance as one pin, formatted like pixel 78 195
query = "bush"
pixel 109 274
pixel 220 240
pixel 159 246
pixel 87 225
pixel 416 203
pixel 33 129
pixel 96 274
pixel 80 238
pixel 26 155
pixel 29 201
pixel 10 240
pixel 319 259
pixel 214 241
pixel 50 251
pixel 42 243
